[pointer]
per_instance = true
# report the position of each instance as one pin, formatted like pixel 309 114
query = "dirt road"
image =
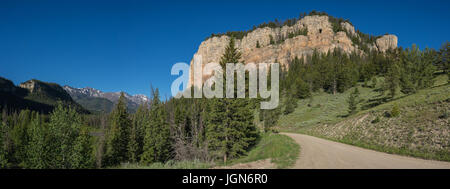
pixel 317 153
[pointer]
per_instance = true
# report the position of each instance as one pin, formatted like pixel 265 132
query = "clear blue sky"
pixel 128 45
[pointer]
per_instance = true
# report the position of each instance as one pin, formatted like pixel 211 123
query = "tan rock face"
pixel 386 42
pixel 320 37
pixel 30 85
pixel 350 29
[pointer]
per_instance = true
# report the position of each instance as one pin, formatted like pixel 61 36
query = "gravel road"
pixel 317 153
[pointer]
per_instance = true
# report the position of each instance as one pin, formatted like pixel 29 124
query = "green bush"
pixel 395 111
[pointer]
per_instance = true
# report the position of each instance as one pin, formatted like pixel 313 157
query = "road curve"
pixel 317 153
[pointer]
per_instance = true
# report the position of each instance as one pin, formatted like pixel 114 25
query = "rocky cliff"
pixel 282 44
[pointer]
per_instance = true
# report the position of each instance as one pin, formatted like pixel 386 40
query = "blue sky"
pixel 128 45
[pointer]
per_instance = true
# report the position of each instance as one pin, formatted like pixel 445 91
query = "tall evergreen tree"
pixel 63 130
pixel 443 59
pixel 230 127
pixel 19 135
pixel 392 77
pixel 427 69
pixel 118 135
pixel 231 54
pixel 82 155
pixel 3 155
pixel 135 146
pixel 36 151
pixel 353 101
pixel 157 141
pixel 416 69
pixel 289 102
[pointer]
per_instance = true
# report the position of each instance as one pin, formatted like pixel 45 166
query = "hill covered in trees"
pixel 34 95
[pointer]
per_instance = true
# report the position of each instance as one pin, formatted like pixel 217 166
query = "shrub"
pixel 374 82
pixel 395 111
pixel 444 115
pixel 376 120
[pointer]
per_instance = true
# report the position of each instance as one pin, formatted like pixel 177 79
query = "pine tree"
pixel 36 149
pixel 302 89
pixel 118 135
pixel 408 70
pixel 231 55
pixel 417 69
pixel 157 142
pixel 230 127
pixel 392 80
pixel 140 118
pixel 374 82
pixel 443 59
pixel 395 111
pixel 19 135
pixel 353 101
pixel 133 146
pixel 82 155
pixel 3 155
pixel 426 69
pixel 63 130
pixel 290 103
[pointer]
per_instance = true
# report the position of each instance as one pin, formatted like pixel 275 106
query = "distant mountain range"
pixel 43 96
pixel 96 100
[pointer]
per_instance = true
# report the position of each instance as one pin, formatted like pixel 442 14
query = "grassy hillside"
pixel 421 129
pixel 325 108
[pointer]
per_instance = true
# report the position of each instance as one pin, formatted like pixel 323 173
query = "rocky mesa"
pixel 319 33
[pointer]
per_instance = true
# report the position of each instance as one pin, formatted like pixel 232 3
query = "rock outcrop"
pixel 285 46
pixel 386 42
pixel 46 90
pixel 30 85
pixel 349 28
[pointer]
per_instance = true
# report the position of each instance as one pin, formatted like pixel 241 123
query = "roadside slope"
pixel 420 128
pixel 319 153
